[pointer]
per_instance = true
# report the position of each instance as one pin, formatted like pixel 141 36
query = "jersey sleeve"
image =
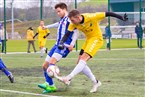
pixel 55 25
pixel 71 27
pixel 99 16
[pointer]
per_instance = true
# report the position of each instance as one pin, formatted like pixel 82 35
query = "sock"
pixel 3 68
pixel 41 52
pixel 44 49
pixel 48 79
pixel 87 71
pixel 79 67
pixel 7 73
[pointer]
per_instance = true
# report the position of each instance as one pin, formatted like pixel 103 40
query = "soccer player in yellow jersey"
pixel 42 34
pixel 88 23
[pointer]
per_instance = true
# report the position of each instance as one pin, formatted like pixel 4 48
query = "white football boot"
pixel 95 87
pixel 64 79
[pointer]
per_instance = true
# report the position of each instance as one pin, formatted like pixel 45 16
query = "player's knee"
pixel 45 65
pixel 85 57
pixel 52 60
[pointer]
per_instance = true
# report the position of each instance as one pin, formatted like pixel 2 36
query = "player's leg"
pixel 57 55
pixel 80 66
pixel 33 45
pixel 81 63
pixel 48 80
pixel 87 71
pixel 5 70
pixel 42 47
pixel 90 49
pixel 138 41
pixel 3 44
pixel 52 87
pixel 96 83
pixel 28 49
pixel 108 44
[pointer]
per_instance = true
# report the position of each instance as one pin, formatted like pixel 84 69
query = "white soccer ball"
pixel 53 71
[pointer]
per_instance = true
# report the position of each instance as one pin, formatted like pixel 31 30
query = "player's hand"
pixel 44 27
pixel 33 37
pixel 70 47
pixel 44 36
pixel 125 17
pixel 61 46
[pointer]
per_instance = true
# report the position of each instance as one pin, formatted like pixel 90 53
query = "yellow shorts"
pixel 41 42
pixel 92 45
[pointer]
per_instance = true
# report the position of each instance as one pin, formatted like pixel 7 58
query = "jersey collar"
pixel 83 19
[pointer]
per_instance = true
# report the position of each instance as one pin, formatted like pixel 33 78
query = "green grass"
pixel 21 45
pixel 120 71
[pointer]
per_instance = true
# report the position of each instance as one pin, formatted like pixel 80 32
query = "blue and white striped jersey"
pixel 62 29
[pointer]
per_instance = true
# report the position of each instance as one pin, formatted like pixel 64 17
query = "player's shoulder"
pixel 68 20
pixel 88 15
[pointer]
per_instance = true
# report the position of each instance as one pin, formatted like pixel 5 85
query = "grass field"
pixel 21 45
pixel 120 71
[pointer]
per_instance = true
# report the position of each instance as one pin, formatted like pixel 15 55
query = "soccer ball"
pixel 53 71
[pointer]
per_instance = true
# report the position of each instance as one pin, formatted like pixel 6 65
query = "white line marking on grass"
pixel 75 51
pixel 27 93
pixel 111 59
pixel 108 59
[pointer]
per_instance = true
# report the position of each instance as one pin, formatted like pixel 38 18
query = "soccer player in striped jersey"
pixel 56 54
pixel 88 23
pixel 42 34
pixel 4 69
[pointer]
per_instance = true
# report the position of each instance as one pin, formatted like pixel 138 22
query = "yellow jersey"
pixel 42 32
pixel 90 27
pixel 30 35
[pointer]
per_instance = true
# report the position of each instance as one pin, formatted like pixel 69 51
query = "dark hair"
pixel 30 28
pixel 73 13
pixel 61 5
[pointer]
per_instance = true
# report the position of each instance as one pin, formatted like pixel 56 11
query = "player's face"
pixel 41 23
pixel 75 20
pixel 60 12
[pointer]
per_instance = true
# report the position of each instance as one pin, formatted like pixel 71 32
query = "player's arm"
pixel 55 25
pixel 48 32
pixel 35 35
pixel 74 38
pixel 46 35
pixel 64 38
pixel 124 17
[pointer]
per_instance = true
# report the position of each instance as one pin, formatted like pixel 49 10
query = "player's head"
pixel 41 23
pixel 30 28
pixel 61 9
pixel 137 24
pixel 75 16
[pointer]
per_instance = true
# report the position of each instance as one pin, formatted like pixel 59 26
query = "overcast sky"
pixel 31 3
